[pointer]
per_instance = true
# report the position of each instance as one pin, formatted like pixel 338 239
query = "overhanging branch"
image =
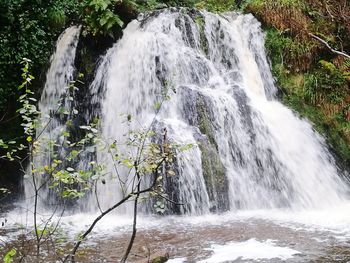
pixel 328 46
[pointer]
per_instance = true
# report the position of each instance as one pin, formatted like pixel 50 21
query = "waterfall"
pixel 55 105
pixel 250 152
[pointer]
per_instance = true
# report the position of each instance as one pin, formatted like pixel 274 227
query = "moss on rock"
pixel 214 174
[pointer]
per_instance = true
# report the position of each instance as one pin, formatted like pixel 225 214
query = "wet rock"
pixel 161 259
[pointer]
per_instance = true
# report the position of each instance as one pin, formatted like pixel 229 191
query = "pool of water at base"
pixel 250 236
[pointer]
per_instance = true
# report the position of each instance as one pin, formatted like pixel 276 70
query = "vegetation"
pixel 29 28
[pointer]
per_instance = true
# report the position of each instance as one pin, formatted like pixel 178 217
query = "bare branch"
pixel 97 200
pixel 168 199
pixel 328 46
pixel 134 229
pixel 88 231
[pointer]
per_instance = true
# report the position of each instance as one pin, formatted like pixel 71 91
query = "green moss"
pixel 214 174
pixel 199 20
pixel 87 61
pixel 204 123
pixel 160 259
pixel 217 6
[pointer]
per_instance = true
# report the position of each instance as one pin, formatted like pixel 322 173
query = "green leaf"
pixel 99 4
pixel 171 173
pixel 105 17
pixel 5 191
pixel 128 163
pixel 9 256
pixel 119 21
pixel 42 232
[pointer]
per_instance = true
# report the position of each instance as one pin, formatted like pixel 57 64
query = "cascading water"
pixel 251 151
pixel 55 104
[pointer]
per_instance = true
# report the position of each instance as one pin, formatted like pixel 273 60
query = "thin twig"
pixel 134 229
pixel 168 199
pixel 97 200
pixel 328 46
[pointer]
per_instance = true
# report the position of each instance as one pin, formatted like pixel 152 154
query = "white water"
pixel 218 69
pixel 249 250
pixel 60 73
pixel 56 96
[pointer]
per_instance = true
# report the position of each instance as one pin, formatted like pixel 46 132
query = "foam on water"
pixel 249 250
pixel 176 260
pixel 335 222
pixel 335 219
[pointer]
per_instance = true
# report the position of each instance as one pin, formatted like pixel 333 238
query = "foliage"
pixel 217 5
pixel 8 258
pixel 29 28
pixel 210 5
pixel 4 190
pixel 99 18
pixel 294 54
